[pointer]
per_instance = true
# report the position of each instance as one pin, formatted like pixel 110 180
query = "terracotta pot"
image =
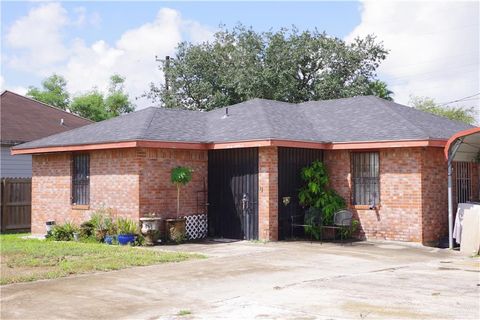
pixel 175 230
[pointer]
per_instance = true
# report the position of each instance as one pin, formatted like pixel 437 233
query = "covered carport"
pixel 462 146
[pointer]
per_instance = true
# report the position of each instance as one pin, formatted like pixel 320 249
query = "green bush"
pixel 312 219
pixel 111 226
pixel 87 229
pixel 316 193
pixel 103 223
pixel 63 232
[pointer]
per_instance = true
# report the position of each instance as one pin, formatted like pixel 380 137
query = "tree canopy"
pixel 93 105
pixel 53 92
pixel 379 88
pixel 287 65
pixel 97 107
pixel 463 114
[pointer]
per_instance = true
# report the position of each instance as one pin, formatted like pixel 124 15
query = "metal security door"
pixel 233 193
pixel 290 163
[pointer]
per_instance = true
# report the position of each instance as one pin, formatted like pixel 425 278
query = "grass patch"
pixel 25 260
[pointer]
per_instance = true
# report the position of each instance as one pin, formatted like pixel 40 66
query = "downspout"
pixel 451 156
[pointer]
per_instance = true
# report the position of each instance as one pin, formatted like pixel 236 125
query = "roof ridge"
pixel 144 130
pixel 266 118
pixel 388 104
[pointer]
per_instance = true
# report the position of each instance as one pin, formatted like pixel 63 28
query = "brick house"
pixel 385 159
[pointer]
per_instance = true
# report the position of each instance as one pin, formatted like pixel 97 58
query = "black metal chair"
pixel 342 220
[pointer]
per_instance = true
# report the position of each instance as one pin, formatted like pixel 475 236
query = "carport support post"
pixel 450 206
pixel 451 156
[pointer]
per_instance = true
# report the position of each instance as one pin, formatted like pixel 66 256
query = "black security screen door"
pixel 233 193
pixel 290 163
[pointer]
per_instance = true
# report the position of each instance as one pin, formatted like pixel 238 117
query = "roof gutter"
pixel 235 145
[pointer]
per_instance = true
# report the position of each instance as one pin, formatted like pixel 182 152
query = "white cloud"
pixel 18 89
pixel 434 47
pixel 84 18
pixel 37 38
pixel 132 55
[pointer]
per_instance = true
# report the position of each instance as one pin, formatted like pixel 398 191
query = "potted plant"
pixel 175 228
pixel 97 219
pixel 111 230
pixel 150 228
pixel 127 229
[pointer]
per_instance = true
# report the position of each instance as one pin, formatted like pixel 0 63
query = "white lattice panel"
pixel 196 226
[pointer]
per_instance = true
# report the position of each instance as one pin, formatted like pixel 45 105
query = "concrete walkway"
pixel 283 280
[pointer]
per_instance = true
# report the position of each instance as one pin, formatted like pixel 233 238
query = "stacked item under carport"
pixel 467 228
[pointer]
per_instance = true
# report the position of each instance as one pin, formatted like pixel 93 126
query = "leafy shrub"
pixel 111 226
pixel 347 232
pixel 127 226
pixel 177 235
pixel 312 220
pixel 103 222
pixel 63 232
pixel 139 240
pixel 316 192
pixel 87 229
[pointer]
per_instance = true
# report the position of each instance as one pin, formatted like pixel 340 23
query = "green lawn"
pixel 30 259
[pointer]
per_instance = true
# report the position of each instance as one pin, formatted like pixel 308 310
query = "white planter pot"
pixel 150 224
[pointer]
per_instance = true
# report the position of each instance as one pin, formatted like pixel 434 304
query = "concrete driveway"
pixel 283 280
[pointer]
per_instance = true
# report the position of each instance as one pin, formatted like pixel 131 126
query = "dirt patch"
pixel 366 310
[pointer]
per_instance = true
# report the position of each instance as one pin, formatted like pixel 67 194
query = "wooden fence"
pixel 16 204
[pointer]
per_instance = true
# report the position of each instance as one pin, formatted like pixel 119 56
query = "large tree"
pixel 117 101
pixel 287 65
pixel 93 105
pixel 53 92
pixel 90 105
pixel 379 88
pixel 463 114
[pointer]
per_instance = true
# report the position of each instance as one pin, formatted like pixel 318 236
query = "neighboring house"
pixel 24 119
pixel 385 159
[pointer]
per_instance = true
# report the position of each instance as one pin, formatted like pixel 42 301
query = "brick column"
pixel 268 193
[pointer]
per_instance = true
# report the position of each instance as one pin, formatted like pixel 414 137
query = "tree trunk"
pixel 178 200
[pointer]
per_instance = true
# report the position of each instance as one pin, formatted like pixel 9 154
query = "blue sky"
pixel 434 46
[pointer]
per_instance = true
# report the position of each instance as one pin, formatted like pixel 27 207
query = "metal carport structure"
pixel 462 146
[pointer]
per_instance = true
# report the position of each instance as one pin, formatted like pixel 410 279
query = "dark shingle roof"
pixel 24 119
pixel 364 118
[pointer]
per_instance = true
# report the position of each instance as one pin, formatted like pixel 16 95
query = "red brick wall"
pixel 114 182
pixel 130 181
pixel 268 193
pixel 434 196
pixel 158 194
pixel 408 211
pixel 50 189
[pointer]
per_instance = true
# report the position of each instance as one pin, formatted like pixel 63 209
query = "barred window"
pixel 81 179
pixel 365 178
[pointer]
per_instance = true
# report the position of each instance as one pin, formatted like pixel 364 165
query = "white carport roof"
pixel 464 145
